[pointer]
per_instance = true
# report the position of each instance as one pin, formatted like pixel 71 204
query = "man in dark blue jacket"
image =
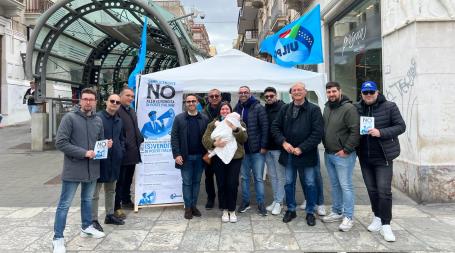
pixel 376 152
pixel 110 167
pixel 298 127
pixel 187 149
pixel 257 125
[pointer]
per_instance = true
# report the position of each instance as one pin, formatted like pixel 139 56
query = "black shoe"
pixel 188 213
pixel 97 225
pixel 210 204
pixel 289 215
pixel 196 212
pixel 243 207
pixel 128 205
pixel 261 210
pixel 112 219
pixel 310 219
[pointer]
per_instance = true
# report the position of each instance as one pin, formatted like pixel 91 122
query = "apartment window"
pixel 356 47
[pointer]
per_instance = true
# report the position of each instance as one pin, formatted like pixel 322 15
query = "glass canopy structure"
pixel 87 43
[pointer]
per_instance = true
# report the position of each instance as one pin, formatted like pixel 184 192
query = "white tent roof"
pixel 231 69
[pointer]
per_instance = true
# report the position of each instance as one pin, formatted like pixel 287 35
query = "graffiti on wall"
pixel 402 92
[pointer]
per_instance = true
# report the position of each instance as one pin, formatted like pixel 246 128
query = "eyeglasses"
pixel 244 93
pixel 88 100
pixel 368 92
pixel 214 96
pixel 269 96
pixel 116 102
pixel 191 101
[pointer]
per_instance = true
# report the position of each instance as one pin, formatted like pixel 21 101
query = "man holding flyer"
pixel 77 134
pixel 110 162
pixel 378 147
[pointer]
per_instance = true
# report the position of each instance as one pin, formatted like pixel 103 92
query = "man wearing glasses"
pixel 131 157
pixel 110 167
pixel 76 137
pixel 274 169
pixel 187 150
pixel 377 149
pixel 254 116
pixel 212 111
pixel 341 137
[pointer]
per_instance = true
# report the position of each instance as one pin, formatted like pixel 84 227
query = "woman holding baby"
pixel 227 174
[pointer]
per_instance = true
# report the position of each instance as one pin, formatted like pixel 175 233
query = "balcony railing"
pixel 251 34
pixel 278 12
pixel 37 6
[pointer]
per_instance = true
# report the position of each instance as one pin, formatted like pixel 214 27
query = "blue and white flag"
pixel 299 42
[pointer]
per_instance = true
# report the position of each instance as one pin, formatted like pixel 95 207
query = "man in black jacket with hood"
pixel 376 152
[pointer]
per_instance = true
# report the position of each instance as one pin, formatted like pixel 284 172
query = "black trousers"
pixel 378 180
pixel 227 178
pixel 210 182
pixel 123 186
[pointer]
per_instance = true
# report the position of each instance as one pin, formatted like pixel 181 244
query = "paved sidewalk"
pixel 29 192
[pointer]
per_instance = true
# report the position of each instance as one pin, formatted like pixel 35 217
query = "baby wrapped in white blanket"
pixel 224 132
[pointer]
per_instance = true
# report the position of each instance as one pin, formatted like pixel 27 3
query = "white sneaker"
pixel 387 233
pixel 225 216
pixel 332 217
pixel 276 209
pixel 346 224
pixel 232 217
pixel 375 225
pixel 303 205
pixel 59 245
pixel 90 231
pixel 270 207
pixel 321 210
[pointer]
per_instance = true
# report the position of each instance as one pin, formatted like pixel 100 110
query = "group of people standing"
pixel 250 135
pixel 286 138
pixel 76 137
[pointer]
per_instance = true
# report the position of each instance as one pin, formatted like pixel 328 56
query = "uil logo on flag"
pixel 297 43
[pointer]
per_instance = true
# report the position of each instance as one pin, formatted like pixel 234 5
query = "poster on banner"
pixel 157 180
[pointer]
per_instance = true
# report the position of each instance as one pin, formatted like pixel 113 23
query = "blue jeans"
pixel 340 171
pixel 253 162
pixel 307 176
pixel 32 108
pixel 319 185
pixel 276 173
pixel 66 197
pixel 191 179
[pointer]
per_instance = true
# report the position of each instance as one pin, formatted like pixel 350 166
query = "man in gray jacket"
pixel 76 137
pixel 341 137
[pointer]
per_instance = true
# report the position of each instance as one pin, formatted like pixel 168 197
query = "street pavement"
pixel 29 191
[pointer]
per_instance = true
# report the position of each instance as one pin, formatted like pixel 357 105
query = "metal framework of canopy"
pixel 94 43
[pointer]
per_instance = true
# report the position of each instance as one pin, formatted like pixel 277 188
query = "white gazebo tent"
pixel 231 69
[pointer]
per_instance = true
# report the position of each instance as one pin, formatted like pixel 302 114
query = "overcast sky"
pixel 220 20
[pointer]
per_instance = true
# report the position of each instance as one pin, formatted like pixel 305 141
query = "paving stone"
pixel 25 213
pixel 169 226
pixel 162 241
pixel 123 240
pixel 359 241
pixel 440 240
pixel 405 241
pixel 275 242
pixel 172 213
pixel 18 238
pixel 204 224
pixel 270 226
pixel 316 242
pixel 241 241
pixel 132 223
pixel 299 225
pixel 423 225
pixel 243 224
pixel 200 241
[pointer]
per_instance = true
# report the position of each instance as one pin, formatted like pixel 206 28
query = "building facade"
pixel 12 44
pixel 407 48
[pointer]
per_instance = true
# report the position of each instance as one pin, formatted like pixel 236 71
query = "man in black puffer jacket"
pixel 376 152
pixel 255 118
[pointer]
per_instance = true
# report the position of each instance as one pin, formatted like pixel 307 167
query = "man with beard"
pixel 341 137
